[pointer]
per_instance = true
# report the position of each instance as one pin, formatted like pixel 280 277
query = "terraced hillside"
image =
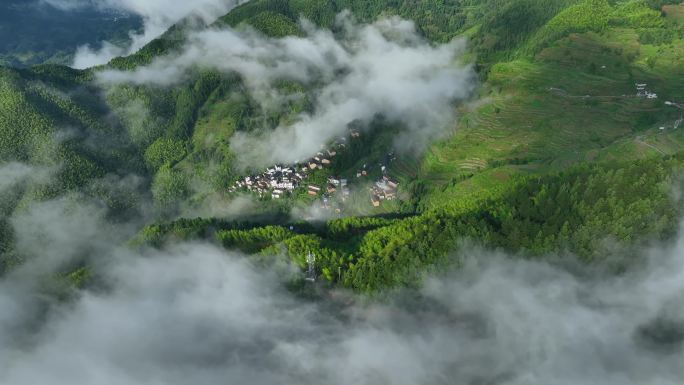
pixel 574 101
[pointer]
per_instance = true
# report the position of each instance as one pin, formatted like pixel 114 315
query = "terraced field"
pixel 674 13
pixel 574 101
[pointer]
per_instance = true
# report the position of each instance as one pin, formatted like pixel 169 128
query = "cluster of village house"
pixel 276 181
pixel 642 92
pixel 383 189
pixel 280 180
pixel 333 187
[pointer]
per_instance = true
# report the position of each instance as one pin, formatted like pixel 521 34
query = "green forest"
pixel 549 158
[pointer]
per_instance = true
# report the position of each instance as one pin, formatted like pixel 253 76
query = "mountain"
pixel 348 191
pixel 34 32
pixel 556 108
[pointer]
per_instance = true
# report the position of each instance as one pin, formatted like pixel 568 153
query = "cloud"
pixel 194 313
pixel 70 5
pixel 14 173
pixel 384 68
pixel 158 16
pixel 87 57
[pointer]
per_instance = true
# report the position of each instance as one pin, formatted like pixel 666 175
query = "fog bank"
pixel 197 314
pixel 158 16
pixel 381 69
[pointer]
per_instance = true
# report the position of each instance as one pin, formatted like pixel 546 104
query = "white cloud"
pixel 157 15
pixel 87 57
pixel 196 314
pixel 383 68
pixel 14 173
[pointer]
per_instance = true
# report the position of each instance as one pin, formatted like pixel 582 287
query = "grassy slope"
pixel 521 126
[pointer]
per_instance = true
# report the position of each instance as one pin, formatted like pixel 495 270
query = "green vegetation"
pixel 555 155
pixel 169 186
pixel 594 211
pixel 164 151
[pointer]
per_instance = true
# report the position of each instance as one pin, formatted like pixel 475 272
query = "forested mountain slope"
pixel 553 136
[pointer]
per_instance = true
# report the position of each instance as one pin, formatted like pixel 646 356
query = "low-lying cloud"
pixel 157 15
pixel 197 314
pixel 381 69
pixel 15 173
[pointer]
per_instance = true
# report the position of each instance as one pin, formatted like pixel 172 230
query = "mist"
pixel 157 16
pixel 355 75
pixel 16 173
pixel 196 313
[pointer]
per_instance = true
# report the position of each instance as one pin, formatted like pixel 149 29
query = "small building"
pixel 313 190
pixel 331 189
pixel 325 161
pixel 375 201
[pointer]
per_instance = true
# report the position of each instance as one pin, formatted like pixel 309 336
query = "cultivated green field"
pixel 572 102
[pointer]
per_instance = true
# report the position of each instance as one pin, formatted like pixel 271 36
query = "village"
pixel 279 181
pixel 384 189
